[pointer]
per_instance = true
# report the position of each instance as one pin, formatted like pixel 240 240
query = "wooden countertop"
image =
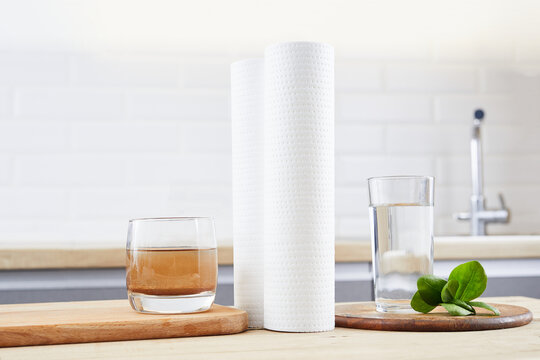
pixel 32 256
pixel 516 343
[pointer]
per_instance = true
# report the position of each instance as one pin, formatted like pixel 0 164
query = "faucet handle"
pixel 501 200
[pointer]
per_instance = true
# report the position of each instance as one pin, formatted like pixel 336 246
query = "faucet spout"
pixel 478 215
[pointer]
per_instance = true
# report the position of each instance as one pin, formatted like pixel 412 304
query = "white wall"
pixel 117 109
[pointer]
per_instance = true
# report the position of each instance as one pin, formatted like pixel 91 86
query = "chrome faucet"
pixel 479 216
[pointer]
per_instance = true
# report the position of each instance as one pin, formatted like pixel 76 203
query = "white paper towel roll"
pixel 247 114
pixel 299 187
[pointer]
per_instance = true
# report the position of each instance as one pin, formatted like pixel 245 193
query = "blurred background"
pixel 116 109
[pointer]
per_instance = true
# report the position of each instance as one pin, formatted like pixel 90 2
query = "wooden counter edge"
pixel 346 251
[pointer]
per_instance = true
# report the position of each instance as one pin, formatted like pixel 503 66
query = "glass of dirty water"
pixel 171 264
pixel 401 220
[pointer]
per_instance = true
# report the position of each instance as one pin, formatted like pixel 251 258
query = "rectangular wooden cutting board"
pixel 110 320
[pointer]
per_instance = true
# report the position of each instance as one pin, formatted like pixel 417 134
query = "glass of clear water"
pixel 401 219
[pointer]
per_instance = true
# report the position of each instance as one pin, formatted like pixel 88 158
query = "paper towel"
pixel 299 187
pixel 247 115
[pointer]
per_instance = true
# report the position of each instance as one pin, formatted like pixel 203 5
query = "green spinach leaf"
pixel 472 280
pixel 481 304
pixel 430 287
pixel 448 293
pixel 418 304
pixel 454 309
pixel 465 283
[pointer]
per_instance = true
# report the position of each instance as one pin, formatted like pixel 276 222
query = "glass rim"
pixel 171 218
pixel 402 177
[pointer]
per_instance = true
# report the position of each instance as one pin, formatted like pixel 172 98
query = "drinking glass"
pixel 401 219
pixel 171 264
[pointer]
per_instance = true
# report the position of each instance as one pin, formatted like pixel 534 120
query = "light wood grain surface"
pixel 109 320
pixel 516 343
pixel 446 248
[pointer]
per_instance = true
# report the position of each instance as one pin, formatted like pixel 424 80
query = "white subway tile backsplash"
pixel 510 140
pixel 32 202
pixel 206 74
pixel 119 203
pixel 398 47
pixel 188 170
pixel 353 228
pixel 510 80
pixel 359 139
pixel 427 140
pixel 447 225
pixel 6 165
pixel 36 69
pixel 451 199
pixel 150 135
pixel 453 170
pixel 499 109
pixel 187 106
pixel 358 76
pixel 36 137
pixel 70 104
pixel 354 171
pixel 386 108
pixel 512 170
pixel 69 170
pixel 125 137
pixel 422 78
pixel 352 201
pixel 494 50
pixel 5 103
pixel 126 71
pixel 521 200
pixel 205 137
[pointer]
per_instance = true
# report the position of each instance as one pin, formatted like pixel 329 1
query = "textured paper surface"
pixel 247 114
pixel 299 187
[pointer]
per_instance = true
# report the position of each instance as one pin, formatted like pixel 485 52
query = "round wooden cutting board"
pixel 364 316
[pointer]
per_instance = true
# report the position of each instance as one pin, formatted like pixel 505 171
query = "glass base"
pixel 179 304
pixel 395 306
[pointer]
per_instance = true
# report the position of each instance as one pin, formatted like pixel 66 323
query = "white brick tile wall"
pixel 358 76
pixel 33 202
pixel 388 108
pixel 187 106
pixel 427 139
pixel 453 170
pixel 450 200
pixel 89 140
pixel 396 48
pixel 36 137
pixel 512 170
pixel 34 69
pixel 351 201
pixel 510 140
pixel 359 139
pixel 118 203
pixel 354 171
pixel 209 74
pixel 5 103
pixel 126 71
pixel 211 137
pixel 189 170
pixel 66 170
pixel 494 50
pixel 5 169
pixel 354 227
pixel 515 80
pixel 125 137
pixel 70 104
pixel 422 78
pixel 499 109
